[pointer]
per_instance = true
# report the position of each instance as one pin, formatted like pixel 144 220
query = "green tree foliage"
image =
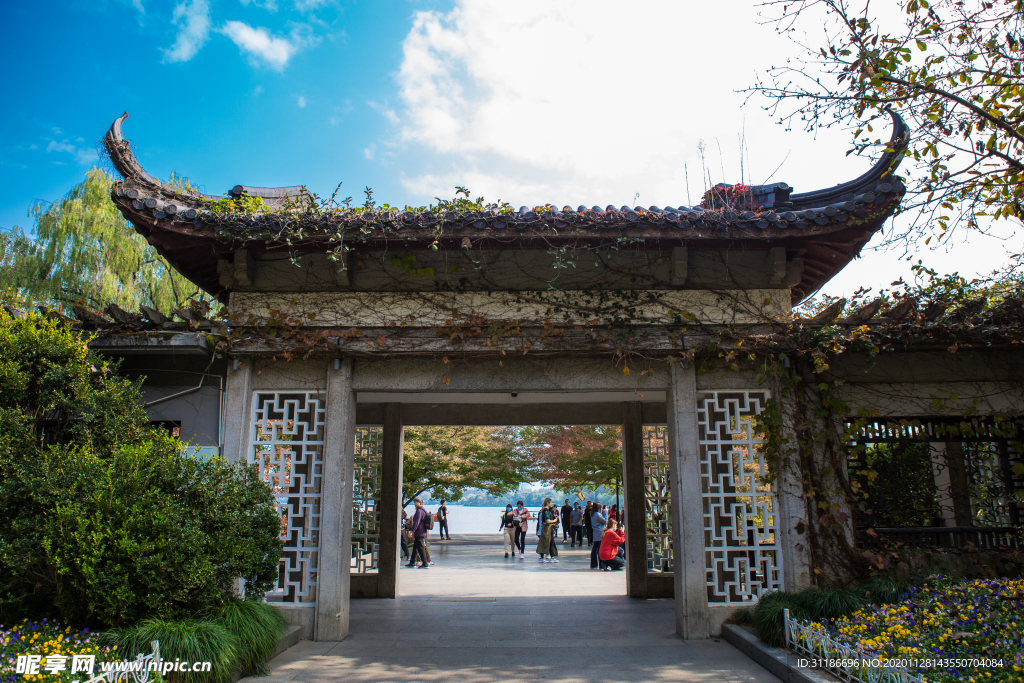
pixel 902 485
pixel 578 457
pixel 107 521
pixel 951 68
pixel 447 460
pixel 82 249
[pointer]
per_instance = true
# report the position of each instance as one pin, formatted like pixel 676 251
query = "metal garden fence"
pixel 839 659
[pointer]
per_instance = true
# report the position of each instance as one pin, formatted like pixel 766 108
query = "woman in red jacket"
pixel 610 542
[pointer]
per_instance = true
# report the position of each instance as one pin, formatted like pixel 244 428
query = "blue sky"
pixel 296 108
pixel 578 101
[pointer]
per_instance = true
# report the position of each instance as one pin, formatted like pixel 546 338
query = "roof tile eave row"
pixel 154 207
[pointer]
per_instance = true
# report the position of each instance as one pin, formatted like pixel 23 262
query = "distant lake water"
pixel 463 519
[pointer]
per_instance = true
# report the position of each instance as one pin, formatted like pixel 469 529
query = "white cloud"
pixel 269 5
pixel 65 146
pixel 86 156
pixel 193 21
pixel 301 102
pixel 257 90
pixel 592 101
pixel 385 111
pixel 57 131
pixel 137 4
pixel 369 151
pixel 308 5
pixel 33 146
pixel 333 120
pixel 259 44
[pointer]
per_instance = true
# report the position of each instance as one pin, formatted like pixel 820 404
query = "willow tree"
pixel 81 249
pixel 951 68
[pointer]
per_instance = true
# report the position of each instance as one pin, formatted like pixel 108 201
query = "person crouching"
pixel 611 552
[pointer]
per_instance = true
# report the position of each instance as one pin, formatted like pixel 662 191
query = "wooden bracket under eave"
pixel 236 274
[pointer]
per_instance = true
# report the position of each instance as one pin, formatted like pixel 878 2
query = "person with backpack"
pixel 442 522
pixel 419 528
pixel 508 529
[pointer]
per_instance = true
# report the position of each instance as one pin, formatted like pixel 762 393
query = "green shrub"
pixel 106 521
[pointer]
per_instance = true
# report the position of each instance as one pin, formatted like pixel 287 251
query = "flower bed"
pixel 944 620
pixel 47 637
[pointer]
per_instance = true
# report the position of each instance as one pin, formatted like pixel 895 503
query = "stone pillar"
pixel 636 534
pixel 959 485
pixel 943 485
pixel 792 506
pixel 334 558
pixel 390 501
pixel 633 487
pixel 237 405
pixel 690 576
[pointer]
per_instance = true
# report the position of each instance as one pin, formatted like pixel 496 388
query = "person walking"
pixel 566 514
pixel 611 546
pixel 587 512
pixel 597 524
pixel 524 521
pixel 508 529
pixel 553 548
pixel 419 535
pixel 442 522
pixel 576 526
pixel 403 534
pixel 547 520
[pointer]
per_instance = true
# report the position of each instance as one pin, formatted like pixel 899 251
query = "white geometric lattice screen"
pixel 365 497
pixel 657 501
pixel 286 441
pixel 741 541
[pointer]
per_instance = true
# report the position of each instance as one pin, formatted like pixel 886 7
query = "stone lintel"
pixel 430 309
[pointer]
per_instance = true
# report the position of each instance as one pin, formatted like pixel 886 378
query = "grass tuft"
pixel 191 640
pixel 768 616
pixel 257 626
pixel 826 602
pixel 884 589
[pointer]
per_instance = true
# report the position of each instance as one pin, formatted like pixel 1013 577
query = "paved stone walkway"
pixel 476 616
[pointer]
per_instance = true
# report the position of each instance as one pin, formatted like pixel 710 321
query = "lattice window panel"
pixel 286 440
pixel 657 500
pixel 741 542
pixel 365 499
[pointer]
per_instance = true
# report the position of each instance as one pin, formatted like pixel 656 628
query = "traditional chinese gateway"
pixel 345 325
